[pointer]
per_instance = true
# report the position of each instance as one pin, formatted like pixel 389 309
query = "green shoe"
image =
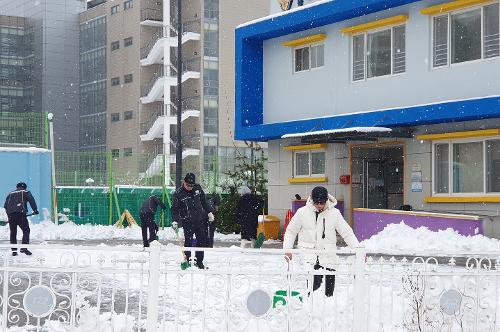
pixel 185 265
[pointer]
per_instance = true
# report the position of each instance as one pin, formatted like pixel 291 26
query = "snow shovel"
pixel 185 263
pixel 281 295
pixel 260 240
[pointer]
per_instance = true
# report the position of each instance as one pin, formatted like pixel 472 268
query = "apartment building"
pixel 389 104
pixel 39 69
pixel 129 68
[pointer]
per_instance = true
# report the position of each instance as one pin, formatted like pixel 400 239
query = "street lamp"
pixel 50 117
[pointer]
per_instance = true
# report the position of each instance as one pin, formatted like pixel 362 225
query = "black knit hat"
pixel 21 185
pixel 190 178
pixel 319 195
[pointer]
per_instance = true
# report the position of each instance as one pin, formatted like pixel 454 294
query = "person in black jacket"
pixel 190 211
pixel 247 213
pixel 147 216
pixel 16 206
pixel 214 203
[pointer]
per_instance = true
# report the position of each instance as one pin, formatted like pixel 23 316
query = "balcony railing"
pixel 152 14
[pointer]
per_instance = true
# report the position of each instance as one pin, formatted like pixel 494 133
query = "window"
pixel 115 81
pixel 127 42
pixel 128 115
pixel 466 167
pixel 466 35
pixel 127 152
pixel 309 163
pixel 379 53
pixel 114 9
pixel 128 78
pixel 115 153
pixel 115 45
pixel 308 57
pixel 115 117
pixel 128 4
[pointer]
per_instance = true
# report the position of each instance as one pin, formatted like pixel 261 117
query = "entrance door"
pixel 377 177
pixel 375 196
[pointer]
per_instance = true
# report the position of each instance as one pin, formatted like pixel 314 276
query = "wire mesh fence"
pixel 24 128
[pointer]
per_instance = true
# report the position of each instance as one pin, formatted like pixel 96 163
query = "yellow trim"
pixel 449 6
pixel 305 147
pixel 306 40
pixel 460 134
pixel 308 179
pixel 375 24
pixel 419 213
pixel 462 199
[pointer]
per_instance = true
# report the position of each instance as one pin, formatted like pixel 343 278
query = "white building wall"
pixel 329 91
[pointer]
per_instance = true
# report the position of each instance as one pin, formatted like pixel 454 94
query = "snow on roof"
pixel 23 149
pixel 296 9
pixel 342 130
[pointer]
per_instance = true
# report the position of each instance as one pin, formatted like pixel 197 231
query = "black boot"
pixel 14 253
pixel 26 252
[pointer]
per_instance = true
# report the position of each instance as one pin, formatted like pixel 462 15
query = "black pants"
pixel 329 280
pixel 200 231
pixel 148 223
pixel 249 230
pixel 19 219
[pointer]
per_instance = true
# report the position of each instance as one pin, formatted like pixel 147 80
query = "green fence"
pixel 99 206
pixel 24 128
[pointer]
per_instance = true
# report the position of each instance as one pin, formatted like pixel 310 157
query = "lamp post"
pixel 178 152
pixel 50 117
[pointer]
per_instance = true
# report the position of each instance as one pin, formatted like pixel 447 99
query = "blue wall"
pixel 30 165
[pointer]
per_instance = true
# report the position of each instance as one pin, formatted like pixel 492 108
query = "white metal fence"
pixel 67 288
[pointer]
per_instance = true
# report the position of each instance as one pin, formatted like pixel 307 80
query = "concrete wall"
pixel 29 165
pixel 289 96
pixel 232 13
pixel 56 75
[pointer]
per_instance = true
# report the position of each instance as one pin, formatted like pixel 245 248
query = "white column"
pixel 166 89
pixel 50 117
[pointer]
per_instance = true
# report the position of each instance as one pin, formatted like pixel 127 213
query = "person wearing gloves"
pixel 247 215
pixel 191 211
pixel 316 224
pixel 147 216
pixel 16 206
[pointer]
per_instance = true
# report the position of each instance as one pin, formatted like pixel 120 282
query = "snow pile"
pixel 48 231
pixel 401 237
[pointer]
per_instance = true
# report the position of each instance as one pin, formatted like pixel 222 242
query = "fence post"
pixel 359 311
pixel 153 287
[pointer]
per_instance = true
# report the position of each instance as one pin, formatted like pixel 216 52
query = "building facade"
pixel 373 100
pixel 48 31
pixel 135 88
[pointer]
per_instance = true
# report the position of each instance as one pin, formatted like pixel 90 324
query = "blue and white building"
pixel 384 102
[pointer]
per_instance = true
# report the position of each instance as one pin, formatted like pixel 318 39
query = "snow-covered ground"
pixel 196 300
pixel 395 237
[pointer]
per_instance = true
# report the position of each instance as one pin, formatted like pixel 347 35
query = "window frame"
pixel 126 42
pixel 128 78
pixel 115 117
pixel 115 81
pixel 128 152
pixel 115 9
pixel 309 153
pixel 450 143
pixel 128 115
pixel 115 153
pixel 129 4
pixel 365 51
pixel 449 39
pixel 308 46
pixel 113 44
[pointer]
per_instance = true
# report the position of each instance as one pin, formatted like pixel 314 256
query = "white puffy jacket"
pixel 311 229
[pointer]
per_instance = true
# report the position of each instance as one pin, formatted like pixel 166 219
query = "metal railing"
pixel 247 290
pixel 151 14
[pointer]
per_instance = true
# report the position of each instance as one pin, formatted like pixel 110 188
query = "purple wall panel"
pixel 368 223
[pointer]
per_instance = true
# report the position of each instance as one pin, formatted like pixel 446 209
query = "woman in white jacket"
pixel 316 225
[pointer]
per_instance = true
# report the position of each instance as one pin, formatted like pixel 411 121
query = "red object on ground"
pixel 288 217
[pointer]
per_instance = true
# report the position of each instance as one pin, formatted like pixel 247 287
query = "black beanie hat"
pixel 21 185
pixel 319 195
